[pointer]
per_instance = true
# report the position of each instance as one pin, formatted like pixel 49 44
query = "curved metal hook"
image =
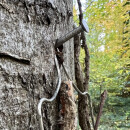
pixel 53 97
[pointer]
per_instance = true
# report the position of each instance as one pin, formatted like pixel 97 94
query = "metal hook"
pixel 82 93
pixel 53 97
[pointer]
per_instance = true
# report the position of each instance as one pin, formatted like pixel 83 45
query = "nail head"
pixel 85 26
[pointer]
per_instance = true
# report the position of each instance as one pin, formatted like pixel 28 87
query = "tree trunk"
pixel 82 100
pixel 68 111
pixel 28 31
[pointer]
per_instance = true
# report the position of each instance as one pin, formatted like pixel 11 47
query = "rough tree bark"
pixel 82 80
pixel 68 112
pixel 82 100
pixel 28 30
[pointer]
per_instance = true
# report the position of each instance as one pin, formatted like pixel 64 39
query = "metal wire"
pixel 53 97
pixel 56 92
pixel 82 93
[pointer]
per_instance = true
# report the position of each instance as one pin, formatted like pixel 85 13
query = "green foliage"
pixel 109 60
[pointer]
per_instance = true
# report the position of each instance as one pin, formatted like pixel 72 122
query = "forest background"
pixel 109 48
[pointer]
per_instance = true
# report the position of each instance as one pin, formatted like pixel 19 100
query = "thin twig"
pixel 85 9
pixel 89 4
pixel 103 98
pixel 80 11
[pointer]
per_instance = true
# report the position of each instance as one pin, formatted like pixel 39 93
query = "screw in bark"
pixel 62 40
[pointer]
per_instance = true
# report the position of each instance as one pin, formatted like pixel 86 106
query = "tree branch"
pixel 103 98
pixel 83 85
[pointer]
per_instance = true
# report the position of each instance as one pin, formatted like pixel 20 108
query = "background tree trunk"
pixel 28 29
